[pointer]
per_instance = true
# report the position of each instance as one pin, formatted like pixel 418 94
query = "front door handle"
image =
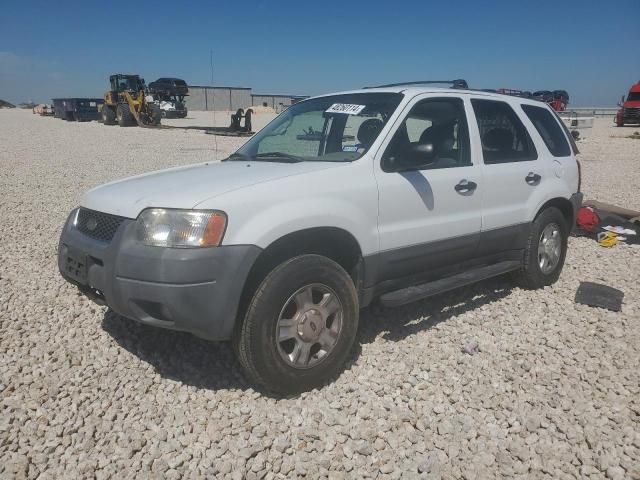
pixel 532 178
pixel 465 186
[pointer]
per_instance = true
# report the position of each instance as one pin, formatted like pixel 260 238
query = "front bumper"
pixel 196 290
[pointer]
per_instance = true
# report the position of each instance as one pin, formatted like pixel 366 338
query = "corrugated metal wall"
pixel 218 98
pixel 196 99
pixel 231 99
pixel 272 101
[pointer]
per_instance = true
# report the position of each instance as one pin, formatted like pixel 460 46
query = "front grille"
pixel 98 225
pixel 632 112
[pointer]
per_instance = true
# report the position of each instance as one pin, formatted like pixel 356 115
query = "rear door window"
pixel 549 129
pixel 504 137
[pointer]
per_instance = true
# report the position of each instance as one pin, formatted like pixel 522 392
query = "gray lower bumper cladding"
pixel 189 289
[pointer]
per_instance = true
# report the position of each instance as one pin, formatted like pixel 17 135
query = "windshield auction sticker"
pixel 347 108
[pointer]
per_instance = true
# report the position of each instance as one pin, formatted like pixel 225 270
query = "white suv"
pixel 394 194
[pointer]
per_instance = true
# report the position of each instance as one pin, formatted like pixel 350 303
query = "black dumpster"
pixel 78 109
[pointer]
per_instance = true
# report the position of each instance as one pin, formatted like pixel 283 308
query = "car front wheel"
pixel 299 326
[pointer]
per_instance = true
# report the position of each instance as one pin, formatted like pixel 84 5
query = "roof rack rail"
pixel 459 83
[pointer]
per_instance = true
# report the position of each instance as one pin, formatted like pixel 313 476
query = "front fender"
pixel 344 197
pixel 264 226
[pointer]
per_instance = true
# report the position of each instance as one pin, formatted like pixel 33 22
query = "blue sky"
pixel 62 48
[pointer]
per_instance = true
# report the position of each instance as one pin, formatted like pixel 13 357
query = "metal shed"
pixel 218 98
pixel 275 101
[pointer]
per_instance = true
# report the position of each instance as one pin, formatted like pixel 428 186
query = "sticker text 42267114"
pixel 348 108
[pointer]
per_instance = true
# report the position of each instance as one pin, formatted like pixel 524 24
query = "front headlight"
pixel 163 227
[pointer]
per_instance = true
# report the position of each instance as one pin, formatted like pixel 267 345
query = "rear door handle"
pixel 465 186
pixel 532 178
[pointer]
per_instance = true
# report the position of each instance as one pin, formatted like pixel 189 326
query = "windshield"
pixel 633 97
pixel 122 84
pixel 336 128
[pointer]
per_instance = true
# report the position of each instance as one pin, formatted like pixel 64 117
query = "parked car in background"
pixel 401 193
pixel 169 94
pixel 173 86
pixel 629 112
pixel 545 96
pixel 514 92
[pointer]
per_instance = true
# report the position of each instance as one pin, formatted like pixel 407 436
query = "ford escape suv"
pixel 391 194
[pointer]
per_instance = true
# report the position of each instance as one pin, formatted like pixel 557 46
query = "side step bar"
pixel 418 292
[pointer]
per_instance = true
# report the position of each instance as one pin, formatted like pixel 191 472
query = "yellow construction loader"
pixel 127 103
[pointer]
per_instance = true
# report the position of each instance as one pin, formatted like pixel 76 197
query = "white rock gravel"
pixel 554 391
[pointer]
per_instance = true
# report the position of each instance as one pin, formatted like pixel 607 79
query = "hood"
pixel 185 187
pixel 631 104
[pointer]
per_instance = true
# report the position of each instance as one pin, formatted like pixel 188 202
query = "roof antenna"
pixel 213 103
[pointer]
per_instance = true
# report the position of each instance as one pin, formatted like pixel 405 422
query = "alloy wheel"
pixel 309 326
pixel 549 248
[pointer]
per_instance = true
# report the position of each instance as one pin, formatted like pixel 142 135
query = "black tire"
pixel 124 115
pixel 255 343
pixel 532 275
pixel 108 115
pixel 155 114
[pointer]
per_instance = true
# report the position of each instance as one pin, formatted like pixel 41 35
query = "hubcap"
pixel 549 248
pixel 309 326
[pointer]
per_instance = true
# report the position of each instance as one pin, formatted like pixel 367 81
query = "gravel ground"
pixel 553 392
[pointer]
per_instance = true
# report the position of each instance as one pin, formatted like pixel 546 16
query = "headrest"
pixel 498 139
pixel 368 131
pixel 440 136
pixel 437 134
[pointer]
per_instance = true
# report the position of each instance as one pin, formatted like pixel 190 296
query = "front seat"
pixel 368 131
pixel 442 138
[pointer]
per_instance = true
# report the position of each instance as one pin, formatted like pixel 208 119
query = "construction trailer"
pixel 78 109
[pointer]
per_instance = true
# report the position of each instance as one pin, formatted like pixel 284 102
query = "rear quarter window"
pixel 549 129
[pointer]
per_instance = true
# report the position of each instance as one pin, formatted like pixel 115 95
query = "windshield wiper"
pixel 287 157
pixel 237 156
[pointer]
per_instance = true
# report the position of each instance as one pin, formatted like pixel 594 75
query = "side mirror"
pixel 416 157
pixel 621 101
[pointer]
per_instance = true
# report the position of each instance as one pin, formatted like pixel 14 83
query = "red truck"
pixel 630 108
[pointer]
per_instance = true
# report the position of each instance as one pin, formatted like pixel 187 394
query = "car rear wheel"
pixel 545 251
pixel 299 326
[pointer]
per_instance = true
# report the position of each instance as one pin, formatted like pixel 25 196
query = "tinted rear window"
pixel 504 138
pixel 549 129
